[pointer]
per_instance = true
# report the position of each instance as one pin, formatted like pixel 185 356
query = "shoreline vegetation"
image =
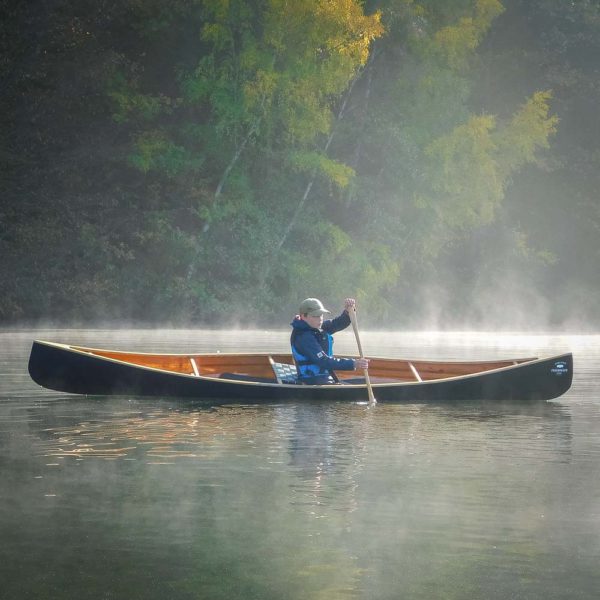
pixel 283 329
pixel 212 162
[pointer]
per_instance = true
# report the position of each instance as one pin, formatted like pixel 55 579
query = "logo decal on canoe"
pixel 560 368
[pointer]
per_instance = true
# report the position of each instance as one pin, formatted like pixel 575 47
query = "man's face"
pixel 313 321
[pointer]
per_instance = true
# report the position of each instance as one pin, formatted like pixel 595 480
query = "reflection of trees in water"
pixel 224 496
pixel 465 486
pixel 417 481
pixel 326 500
pixel 320 439
pixel 331 445
pixel 159 433
pixel 548 422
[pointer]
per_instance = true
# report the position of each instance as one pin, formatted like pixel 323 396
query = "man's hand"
pixel 361 363
pixel 349 304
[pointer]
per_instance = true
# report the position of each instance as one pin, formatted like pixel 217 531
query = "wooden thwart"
pixel 415 372
pixel 194 366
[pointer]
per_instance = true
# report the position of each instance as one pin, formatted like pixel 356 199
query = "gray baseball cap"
pixel 312 307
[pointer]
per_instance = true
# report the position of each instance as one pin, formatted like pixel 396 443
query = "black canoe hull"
pixel 60 368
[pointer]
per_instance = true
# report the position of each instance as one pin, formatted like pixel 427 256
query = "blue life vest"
pixel 308 370
pixel 313 350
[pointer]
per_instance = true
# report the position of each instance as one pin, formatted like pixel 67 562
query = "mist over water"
pixel 130 497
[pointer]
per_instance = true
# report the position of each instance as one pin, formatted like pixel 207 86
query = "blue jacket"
pixel 313 350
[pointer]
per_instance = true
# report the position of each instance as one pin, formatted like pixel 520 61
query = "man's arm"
pixel 337 324
pixel 341 322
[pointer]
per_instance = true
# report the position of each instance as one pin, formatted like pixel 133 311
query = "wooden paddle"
pixel 352 313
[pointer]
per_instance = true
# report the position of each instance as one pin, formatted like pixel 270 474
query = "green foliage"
pixel 153 150
pixel 463 174
pixel 455 43
pixel 213 152
pixel 529 131
pixel 470 166
pixel 129 103
pixel 309 162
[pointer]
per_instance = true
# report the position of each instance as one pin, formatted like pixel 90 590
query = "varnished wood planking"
pixel 258 365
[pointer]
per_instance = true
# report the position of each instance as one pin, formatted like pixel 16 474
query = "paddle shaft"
pixel 352 313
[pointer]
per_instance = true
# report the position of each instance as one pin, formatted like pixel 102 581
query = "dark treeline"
pixel 215 161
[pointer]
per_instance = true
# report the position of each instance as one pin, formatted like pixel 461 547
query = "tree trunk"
pixel 271 262
pixel 218 190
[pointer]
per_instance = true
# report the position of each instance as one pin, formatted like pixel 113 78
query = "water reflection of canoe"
pixel 270 377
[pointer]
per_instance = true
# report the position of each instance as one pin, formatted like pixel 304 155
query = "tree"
pixel 429 171
pixel 267 77
pixel 203 159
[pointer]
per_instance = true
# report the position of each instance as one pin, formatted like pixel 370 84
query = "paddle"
pixel 352 313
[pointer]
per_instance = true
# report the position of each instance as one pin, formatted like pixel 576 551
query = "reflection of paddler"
pixel 312 343
pixel 311 441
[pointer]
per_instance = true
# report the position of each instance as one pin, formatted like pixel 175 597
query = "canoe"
pixel 271 377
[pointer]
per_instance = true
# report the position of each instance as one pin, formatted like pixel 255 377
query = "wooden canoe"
pixel 266 377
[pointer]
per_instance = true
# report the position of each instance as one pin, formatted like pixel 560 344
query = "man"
pixel 312 343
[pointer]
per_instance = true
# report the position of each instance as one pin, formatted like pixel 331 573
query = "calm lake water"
pixel 132 498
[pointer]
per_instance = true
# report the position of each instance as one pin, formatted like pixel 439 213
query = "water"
pixel 132 498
